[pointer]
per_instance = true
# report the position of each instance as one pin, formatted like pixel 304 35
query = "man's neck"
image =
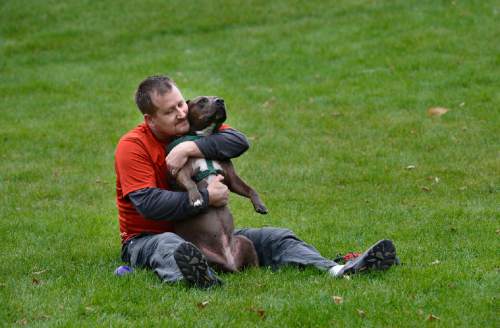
pixel 157 135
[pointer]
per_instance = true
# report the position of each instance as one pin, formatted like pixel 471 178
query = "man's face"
pixel 171 117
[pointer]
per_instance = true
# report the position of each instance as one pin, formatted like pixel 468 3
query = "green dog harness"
pixel 211 170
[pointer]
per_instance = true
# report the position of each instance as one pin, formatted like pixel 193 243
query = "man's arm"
pixel 223 145
pixel 226 144
pixel 161 204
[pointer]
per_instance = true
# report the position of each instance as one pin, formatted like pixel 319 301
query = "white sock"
pixel 334 270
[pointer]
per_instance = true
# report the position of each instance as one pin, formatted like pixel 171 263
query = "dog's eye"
pixel 203 101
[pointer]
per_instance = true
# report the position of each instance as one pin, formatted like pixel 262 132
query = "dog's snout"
pixel 219 102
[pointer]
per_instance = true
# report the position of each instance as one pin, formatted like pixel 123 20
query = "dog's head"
pixel 206 114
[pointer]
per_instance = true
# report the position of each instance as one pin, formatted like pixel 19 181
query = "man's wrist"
pixel 191 149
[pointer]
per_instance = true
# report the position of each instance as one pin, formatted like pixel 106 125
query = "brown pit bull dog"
pixel 212 231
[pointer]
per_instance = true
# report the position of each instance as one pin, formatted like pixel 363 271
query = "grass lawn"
pixel 333 97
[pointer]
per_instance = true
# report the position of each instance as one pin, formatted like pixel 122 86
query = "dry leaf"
pixel 89 309
pixel 338 299
pixel 202 305
pixel 462 104
pixel 498 233
pixel 435 262
pixel 411 167
pixel 426 189
pixel 361 313
pixel 39 272
pixel 22 322
pixel 432 317
pixel 437 111
pixel 260 312
pixel 35 281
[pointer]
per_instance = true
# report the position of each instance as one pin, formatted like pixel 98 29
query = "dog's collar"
pixel 207 131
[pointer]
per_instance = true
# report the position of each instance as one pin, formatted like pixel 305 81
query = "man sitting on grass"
pixel 147 206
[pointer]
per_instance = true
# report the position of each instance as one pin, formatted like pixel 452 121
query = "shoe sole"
pixel 194 266
pixel 380 256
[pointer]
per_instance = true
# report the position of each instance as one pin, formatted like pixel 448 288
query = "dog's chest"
pixel 202 165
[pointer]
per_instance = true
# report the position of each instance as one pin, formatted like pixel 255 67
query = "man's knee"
pixel 278 234
pixel 166 242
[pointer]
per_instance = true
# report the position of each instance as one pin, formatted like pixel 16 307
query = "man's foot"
pixel 194 266
pixel 380 256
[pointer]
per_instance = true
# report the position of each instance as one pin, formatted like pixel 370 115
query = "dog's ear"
pixel 188 101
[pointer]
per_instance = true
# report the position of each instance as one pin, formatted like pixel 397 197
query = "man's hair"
pixel 154 84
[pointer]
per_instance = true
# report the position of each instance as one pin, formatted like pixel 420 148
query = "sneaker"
pixel 194 267
pixel 380 256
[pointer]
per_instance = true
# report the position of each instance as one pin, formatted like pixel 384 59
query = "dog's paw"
pixel 196 199
pixel 198 202
pixel 261 209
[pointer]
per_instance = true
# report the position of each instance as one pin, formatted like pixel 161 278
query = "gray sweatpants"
pixel 275 247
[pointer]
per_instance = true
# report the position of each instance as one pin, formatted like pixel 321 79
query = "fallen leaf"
pixel 35 281
pixel 426 189
pixel 498 233
pixel 260 312
pixel 89 309
pixel 435 262
pixel 361 313
pixel 437 111
pixel 202 305
pixel 22 322
pixel 347 277
pixel 411 167
pixel 420 311
pixel 462 104
pixel 39 272
pixel 338 299
pixel 432 317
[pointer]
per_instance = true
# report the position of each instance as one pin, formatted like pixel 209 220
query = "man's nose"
pixel 182 112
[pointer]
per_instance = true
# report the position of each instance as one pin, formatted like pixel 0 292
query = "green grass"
pixel 333 97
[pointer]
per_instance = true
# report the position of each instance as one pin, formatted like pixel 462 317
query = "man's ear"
pixel 149 119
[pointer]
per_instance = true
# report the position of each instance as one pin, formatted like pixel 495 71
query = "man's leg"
pixel 277 247
pixel 171 258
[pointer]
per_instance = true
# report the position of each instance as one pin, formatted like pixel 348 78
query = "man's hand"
pixel 178 156
pixel 218 193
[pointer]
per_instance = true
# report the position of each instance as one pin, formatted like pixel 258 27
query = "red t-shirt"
pixel 140 163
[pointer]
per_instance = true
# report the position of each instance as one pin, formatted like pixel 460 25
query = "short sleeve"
pixel 134 167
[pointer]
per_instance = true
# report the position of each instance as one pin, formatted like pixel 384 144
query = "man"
pixel 148 207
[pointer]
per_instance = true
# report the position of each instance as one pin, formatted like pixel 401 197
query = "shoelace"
pixel 347 257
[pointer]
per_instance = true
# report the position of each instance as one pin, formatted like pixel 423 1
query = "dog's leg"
pixel 246 254
pixel 237 185
pixel 184 180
